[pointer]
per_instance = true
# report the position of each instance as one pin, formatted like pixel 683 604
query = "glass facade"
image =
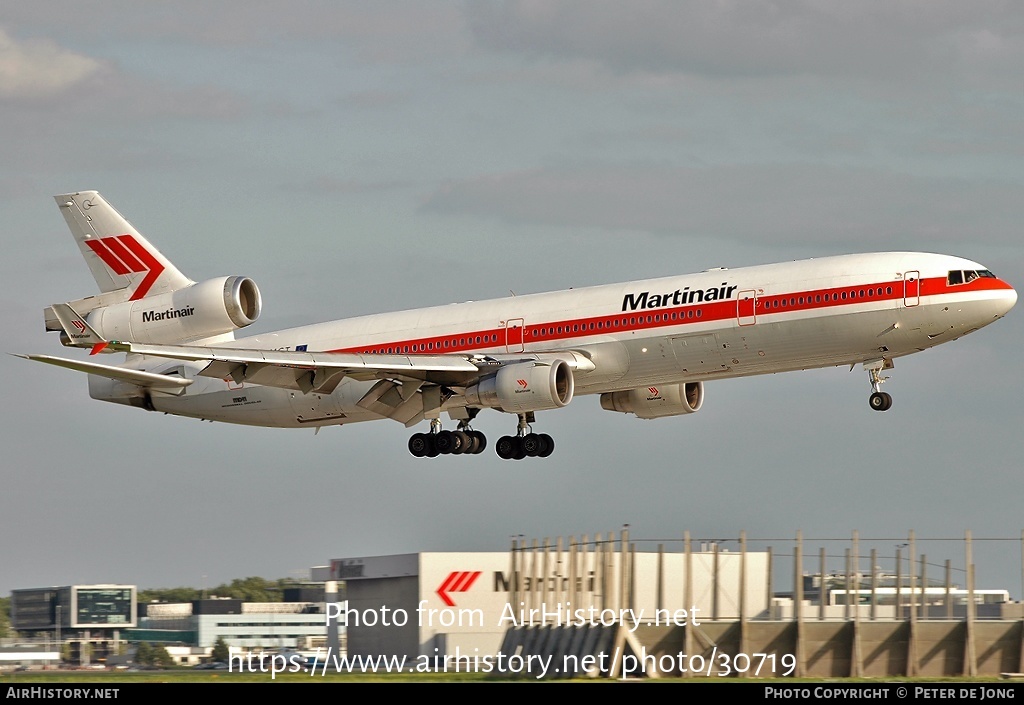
pixel 73 607
pixel 106 606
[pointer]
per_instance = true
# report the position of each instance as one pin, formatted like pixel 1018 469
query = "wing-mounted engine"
pixel 525 386
pixel 203 310
pixel 655 402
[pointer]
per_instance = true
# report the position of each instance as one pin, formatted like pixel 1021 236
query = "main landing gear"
pixel 466 441
pixel 525 443
pixel 879 400
pixel 438 442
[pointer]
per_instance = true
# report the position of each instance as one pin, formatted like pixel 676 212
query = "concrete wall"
pixel 827 649
pixel 370 597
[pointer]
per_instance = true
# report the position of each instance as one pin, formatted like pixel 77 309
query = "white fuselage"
pixel 717 324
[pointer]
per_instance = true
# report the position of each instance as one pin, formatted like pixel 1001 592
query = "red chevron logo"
pixel 458 581
pixel 124 255
pixel 653 391
pixel 522 383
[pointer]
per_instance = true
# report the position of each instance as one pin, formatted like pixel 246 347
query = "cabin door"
pixel 514 342
pixel 911 288
pixel 746 306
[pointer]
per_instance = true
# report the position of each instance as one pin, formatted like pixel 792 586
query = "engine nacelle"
pixel 209 308
pixel 655 402
pixel 525 386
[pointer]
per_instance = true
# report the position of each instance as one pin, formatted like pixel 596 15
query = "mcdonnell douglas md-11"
pixel 646 347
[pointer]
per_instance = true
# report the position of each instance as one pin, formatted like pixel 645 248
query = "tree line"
pixel 252 589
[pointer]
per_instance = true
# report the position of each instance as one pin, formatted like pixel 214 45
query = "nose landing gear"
pixel 879 400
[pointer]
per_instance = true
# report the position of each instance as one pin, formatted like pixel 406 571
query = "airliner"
pixel 644 347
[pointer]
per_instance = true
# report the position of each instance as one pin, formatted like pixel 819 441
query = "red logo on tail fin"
pixel 124 255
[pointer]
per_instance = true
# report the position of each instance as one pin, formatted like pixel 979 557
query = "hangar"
pixel 447 604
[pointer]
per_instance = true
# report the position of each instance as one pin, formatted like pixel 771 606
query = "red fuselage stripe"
pixel 626 321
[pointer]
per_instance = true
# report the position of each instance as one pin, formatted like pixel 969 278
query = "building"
pixel 87 621
pixel 436 605
pixel 244 625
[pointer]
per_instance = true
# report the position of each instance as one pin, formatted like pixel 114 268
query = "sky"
pixel 356 157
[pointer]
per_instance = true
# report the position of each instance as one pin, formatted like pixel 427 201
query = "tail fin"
pixel 119 257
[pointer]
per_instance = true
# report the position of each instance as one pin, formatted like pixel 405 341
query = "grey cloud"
pixel 790 203
pixel 333 186
pixel 758 38
pixel 385 32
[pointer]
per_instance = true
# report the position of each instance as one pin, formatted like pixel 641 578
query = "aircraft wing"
pixel 143 379
pixel 313 371
pixel 321 372
pixel 303 371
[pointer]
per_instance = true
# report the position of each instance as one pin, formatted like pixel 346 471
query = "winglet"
pixel 78 330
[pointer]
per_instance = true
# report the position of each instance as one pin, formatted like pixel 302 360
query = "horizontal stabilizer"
pixel 143 379
pixel 76 327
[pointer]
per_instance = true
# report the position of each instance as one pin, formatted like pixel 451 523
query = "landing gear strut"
pixel 525 443
pixel 879 400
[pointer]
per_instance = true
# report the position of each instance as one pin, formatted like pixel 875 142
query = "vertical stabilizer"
pixel 119 257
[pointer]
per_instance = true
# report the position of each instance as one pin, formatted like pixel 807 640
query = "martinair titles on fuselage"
pixel 645 299
pixel 630 302
pixel 150 316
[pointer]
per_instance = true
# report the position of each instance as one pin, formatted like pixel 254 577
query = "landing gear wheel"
pixel 506 447
pixel 520 448
pixel 547 446
pixel 880 401
pixel 445 442
pixel 480 441
pixel 531 444
pixel 432 450
pixel 463 442
pixel 419 444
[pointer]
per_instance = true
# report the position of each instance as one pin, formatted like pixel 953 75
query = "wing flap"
pixel 310 371
pixel 323 371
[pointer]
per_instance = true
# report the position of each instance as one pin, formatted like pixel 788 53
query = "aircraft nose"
pixel 1004 300
pixel 1009 299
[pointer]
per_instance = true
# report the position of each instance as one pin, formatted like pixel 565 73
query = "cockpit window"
pixel 957 276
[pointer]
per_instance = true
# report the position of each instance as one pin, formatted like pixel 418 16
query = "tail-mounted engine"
pixel 525 386
pixel 203 310
pixel 655 402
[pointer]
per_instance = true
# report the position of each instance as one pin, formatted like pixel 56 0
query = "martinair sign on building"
pixel 437 603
